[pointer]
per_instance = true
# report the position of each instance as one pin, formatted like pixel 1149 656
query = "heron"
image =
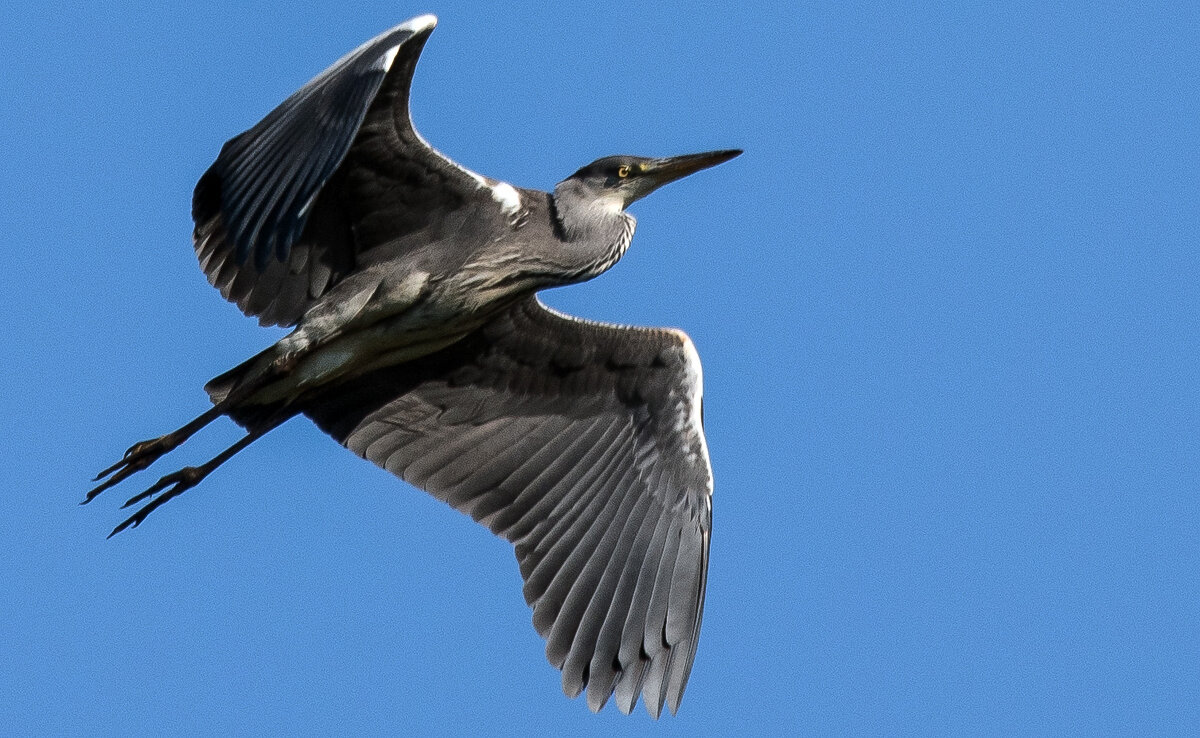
pixel 418 342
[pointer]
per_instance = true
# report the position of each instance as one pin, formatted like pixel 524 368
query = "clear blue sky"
pixel 948 310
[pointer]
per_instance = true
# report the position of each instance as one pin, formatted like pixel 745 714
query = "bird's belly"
pixel 377 346
pixel 419 332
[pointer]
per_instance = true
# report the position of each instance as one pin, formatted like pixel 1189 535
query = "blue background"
pixel 948 310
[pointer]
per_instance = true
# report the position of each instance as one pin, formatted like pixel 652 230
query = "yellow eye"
pixel 623 171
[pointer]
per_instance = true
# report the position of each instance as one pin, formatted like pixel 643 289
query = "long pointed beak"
pixel 662 171
pixel 657 172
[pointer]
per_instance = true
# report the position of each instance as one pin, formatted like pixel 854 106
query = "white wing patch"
pixel 413 25
pixel 694 385
pixel 420 23
pixel 389 56
pixel 502 192
pixel 508 197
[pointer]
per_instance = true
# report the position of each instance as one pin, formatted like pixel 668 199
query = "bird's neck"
pixel 598 231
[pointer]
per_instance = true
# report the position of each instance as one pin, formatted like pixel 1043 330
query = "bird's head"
pixel 618 181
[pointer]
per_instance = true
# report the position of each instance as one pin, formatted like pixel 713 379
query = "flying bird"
pixel 420 345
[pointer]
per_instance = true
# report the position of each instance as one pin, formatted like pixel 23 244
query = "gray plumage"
pixel 419 344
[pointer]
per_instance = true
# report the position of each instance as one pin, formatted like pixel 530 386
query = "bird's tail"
pixel 221 386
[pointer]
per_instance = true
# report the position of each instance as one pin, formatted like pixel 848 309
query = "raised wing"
pixel 278 215
pixel 582 444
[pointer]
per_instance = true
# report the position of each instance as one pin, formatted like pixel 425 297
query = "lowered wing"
pixel 581 443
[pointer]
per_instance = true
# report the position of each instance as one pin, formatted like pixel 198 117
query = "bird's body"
pixel 418 343
pixel 438 284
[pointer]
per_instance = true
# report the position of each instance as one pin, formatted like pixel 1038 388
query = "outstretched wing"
pixel 278 214
pixel 581 443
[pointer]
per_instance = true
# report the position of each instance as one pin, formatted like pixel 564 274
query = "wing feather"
pixel 488 485
pixel 634 655
pixel 575 635
pixel 606 658
pixel 515 499
pixel 654 641
pixel 593 602
pixel 282 214
pixel 544 491
pixel 581 444
pixel 584 544
pixel 556 534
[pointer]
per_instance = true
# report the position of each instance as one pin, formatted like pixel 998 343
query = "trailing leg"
pixel 242 382
pixel 175 483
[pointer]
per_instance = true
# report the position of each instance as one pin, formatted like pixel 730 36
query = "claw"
pixel 124 462
pixel 189 476
pixel 139 456
pixel 132 522
pixel 178 481
pixel 114 480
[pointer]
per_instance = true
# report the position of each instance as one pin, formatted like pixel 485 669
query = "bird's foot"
pixel 139 456
pixel 178 482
